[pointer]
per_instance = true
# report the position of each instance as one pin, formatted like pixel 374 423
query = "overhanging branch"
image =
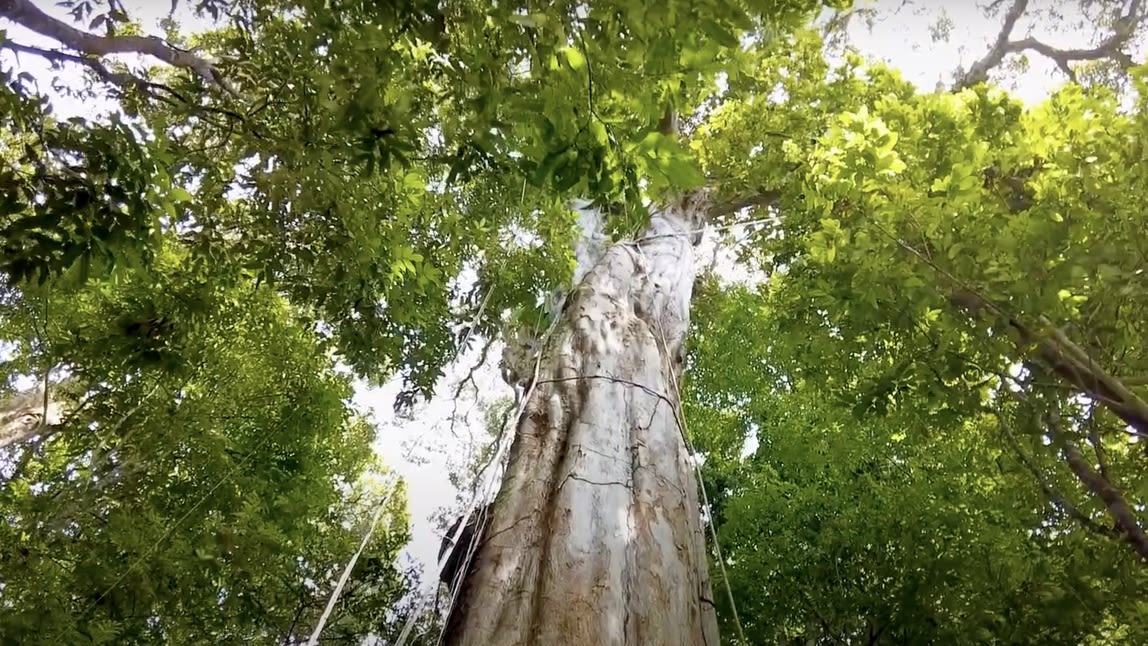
pixel 27 15
pixel 1051 346
pixel 1103 489
pixel 1059 502
pixel 119 79
pixel 125 81
pixel 1110 48
pixel 980 70
pixel 1065 358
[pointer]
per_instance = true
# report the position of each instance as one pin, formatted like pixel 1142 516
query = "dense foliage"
pixel 372 152
pixel 942 381
pixel 205 481
pixel 915 516
pixel 943 372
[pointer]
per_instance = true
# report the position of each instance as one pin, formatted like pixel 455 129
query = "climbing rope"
pixel 679 413
pixel 314 639
pixel 334 598
pixel 680 418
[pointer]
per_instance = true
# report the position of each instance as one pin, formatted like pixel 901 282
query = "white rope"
pixel 481 524
pixel 454 538
pixel 485 491
pixel 378 511
pixel 709 512
pixel 314 639
pixel 460 574
pixel 410 622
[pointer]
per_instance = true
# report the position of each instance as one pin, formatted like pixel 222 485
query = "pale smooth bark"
pixel 595 537
pixel 26 415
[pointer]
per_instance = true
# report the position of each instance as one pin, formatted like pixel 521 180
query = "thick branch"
pixel 124 81
pixel 1067 360
pixel 26 14
pixel 980 70
pixel 1053 348
pixel 118 79
pixel 1058 501
pixel 720 209
pixel 1109 48
pixel 1107 492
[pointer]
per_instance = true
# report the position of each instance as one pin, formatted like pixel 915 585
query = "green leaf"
pixel 574 58
pixel 179 194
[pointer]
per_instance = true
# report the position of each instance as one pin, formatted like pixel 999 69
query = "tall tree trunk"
pixel 595 536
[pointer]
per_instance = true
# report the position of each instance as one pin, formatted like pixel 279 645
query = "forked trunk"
pixel 595 537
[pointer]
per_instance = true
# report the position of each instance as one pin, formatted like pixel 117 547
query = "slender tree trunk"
pixel 595 536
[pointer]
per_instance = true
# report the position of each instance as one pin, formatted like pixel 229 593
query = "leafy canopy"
pixel 365 159
pixel 942 373
pixel 206 482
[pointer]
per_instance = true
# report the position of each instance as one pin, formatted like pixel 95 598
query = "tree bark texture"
pixel 26 415
pixel 595 536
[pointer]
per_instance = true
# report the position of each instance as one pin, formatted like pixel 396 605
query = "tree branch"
pixel 1056 351
pixel 125 81
pixel 1102 488
pixel 721 209
pixel 1058 501
pixel 980 70
pixel 1067 360
pixel 1097 446
pixel 1052 346
pixel 27 15
pixel 118 79
pixel 1109 48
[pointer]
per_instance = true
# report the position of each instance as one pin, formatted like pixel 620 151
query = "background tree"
pixel 937 256
pixel 205 480
pixel 867 515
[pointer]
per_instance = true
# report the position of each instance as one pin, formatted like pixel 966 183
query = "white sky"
pixel 424 450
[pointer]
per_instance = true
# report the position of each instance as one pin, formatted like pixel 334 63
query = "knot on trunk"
pixel 518 357
pixel 689 213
